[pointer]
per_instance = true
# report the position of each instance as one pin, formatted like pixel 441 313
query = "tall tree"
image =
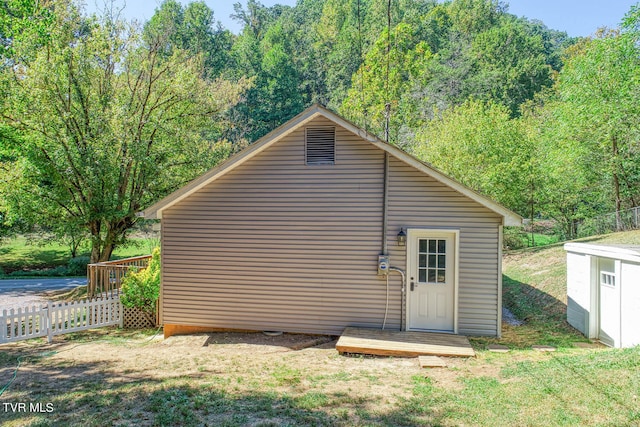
pixel 192 28
pixel 479 144
pixel 569 188
pixel 511 64
pixel 599 94
pixel 263 52
pixel 25 24
pixel 381 84
pixel 110 123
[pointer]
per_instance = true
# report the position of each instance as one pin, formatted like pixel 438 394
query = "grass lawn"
pixel 34 256
pixel 115 377
pixel 127 380
pixel 515 237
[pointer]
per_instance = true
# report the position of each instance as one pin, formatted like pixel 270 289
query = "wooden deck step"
pixel 401 343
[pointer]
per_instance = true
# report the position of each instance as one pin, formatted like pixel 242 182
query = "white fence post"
pixel 121 313
pixel 3 326
pixel 50 322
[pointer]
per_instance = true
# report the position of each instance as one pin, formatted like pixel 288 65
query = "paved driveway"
pixel 16 293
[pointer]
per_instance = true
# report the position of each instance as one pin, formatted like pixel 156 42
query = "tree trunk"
pixel 94 228
pixel 106 252
pixel 616 186
pixel 101 248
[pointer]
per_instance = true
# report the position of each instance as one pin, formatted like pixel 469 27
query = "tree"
pixel 569 188
pixel 194 29
pixel 479 144
pixel 598 92
pixel 257 17
pixel 374 86
pixel 263 52
pixel 109 123
pixel 7 170
pixel 511 64
pixel 25 23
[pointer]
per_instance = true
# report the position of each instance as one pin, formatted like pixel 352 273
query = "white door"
pixel 609 302
pixel 432 281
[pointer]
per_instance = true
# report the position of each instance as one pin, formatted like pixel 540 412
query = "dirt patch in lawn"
pixel 98 363
pixel 115 377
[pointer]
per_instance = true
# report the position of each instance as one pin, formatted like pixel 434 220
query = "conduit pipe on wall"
pixel 385 251
pixel 385 200
pixel 385 248
pixel 402 275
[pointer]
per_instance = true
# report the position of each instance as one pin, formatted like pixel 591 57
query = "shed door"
pixel 431 293
pixel 609 302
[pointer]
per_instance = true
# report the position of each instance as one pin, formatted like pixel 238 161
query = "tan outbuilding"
pixel 287 236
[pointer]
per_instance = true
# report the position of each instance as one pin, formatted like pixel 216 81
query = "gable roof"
pixel 315 111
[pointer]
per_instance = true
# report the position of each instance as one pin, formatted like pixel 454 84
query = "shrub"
pixel 141 288
pixel 77 266
pixel 514 238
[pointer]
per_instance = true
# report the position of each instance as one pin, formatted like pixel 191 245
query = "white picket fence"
pixel 59 318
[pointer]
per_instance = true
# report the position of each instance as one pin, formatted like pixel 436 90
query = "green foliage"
pixel 590 128
pixel 372 90
pixel 77 266
pixel 442 55
pixel 109 123
pixel 141 289
pixel 99 119
pixel 26 21
pixel 512 63
pixel 191 28
pixel 481 146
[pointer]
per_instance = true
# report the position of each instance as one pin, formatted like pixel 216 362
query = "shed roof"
pixel 155 211
pixel 615 251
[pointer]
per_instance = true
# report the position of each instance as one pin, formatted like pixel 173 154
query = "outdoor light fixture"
pixel 402 237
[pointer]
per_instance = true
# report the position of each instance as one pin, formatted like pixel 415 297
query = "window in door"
pixel 432 261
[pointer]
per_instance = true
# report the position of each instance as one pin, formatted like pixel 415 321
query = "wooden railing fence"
pixel 106 277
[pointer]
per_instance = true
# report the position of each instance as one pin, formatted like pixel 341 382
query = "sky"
pixel 576 17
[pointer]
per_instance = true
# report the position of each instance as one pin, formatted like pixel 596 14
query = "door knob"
pixel 412 286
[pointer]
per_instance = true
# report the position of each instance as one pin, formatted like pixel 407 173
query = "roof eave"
pixel 155 211
pixel 509 218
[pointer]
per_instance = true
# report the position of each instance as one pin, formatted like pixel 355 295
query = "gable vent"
pixel 321 145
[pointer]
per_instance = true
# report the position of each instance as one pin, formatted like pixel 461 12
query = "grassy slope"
pixel 22 253
pixel 535 289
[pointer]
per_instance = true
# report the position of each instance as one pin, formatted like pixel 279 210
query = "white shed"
pixel 603 292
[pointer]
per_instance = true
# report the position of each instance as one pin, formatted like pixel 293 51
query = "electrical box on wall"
pixel 383 265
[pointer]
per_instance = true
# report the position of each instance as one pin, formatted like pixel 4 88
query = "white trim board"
pixel 623 252
pixel 417 232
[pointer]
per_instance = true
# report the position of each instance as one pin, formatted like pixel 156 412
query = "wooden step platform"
pixel 404 344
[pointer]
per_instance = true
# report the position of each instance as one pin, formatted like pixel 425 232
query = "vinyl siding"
pixel 279 245
pixel 417 200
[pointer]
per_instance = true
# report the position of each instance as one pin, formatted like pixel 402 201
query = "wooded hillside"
pixel 99 118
